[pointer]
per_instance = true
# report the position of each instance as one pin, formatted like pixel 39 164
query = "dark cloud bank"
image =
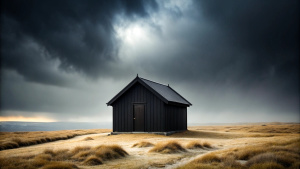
pixel 79 34
pixel 232 56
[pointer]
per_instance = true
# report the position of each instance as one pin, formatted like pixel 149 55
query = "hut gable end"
pixel 164 92
pixel 147 106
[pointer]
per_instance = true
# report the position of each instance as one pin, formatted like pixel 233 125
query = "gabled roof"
pixel 164 92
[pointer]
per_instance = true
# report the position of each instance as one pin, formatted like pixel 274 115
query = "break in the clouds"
pixel 236 61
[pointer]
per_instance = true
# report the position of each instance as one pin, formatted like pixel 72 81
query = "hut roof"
pixel 164 92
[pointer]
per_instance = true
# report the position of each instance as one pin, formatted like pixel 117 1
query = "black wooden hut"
pixel 147 106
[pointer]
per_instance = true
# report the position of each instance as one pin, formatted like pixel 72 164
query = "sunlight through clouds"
pixel 26 119
pixel 228 58
pixel 135 38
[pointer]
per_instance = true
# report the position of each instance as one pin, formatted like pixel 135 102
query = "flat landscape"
pixel 260 145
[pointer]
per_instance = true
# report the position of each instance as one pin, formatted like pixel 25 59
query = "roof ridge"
pixel 153 81
pixel 164 92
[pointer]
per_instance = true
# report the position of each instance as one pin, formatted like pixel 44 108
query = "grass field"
pixel 9 140
pixel 263 145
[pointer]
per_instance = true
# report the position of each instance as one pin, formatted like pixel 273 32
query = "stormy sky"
pixel 235 61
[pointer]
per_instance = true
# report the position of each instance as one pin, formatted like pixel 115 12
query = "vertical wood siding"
pixel 176 118
pixel 123 110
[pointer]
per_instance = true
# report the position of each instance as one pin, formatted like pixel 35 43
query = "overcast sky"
pixel 235 61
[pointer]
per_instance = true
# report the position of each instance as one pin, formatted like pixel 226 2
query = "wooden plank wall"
pixel 123 110
pixel 176 118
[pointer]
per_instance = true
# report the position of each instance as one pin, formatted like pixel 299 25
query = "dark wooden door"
pixel 138 117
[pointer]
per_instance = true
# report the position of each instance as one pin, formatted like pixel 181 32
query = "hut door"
pixel 138 117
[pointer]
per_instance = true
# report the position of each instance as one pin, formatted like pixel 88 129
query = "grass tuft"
pixel 168 148
pixel 143 144
pixel 82 155
pixel 249 152
pixel 207 145
pixel 49 151
pixel 61 155
pixel 43 157
pixel 39 162
pixel 198 166
pixel 194 145
pixel 88 138
pixel 78 149
pixel 59 165
pixel 209 158
pixel 230 162
pixel 9 145
pixel 93 160
pixel 197 144
pixel 267 165
pixel 107 152
pixel 271 157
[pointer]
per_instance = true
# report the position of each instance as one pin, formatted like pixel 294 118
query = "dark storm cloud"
pixel 268 31
pixel 235 56
pixel 79 34
pixel 269 25
pixel 240 43
pixel 234 60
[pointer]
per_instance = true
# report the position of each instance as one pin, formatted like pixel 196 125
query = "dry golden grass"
pixel 93 160
pixel 288 146
pixel 103 152
pixel 82 155
pixel 251 143
pixel 200 166
pixel 168 147
pixel 206 134
pixel 267 165
pixel 80 149
pixel 39 162
pixel 13 163
pixel 107 152
pixel 230 162
pixel 49 152
pixel 31 163
pixel 197 144
pixel 143 144
pixel 209 158
pixel 280 154
pixel 59 165
pixel 46 157
pixel 207 145
pixel 267 128
pixel 57 158
pixel 213 161
pixel 9 140
pixel 58 155
pixel 88 138
pixel 296 165
pixel 193 145
pixel 248 152
pixel 269 157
